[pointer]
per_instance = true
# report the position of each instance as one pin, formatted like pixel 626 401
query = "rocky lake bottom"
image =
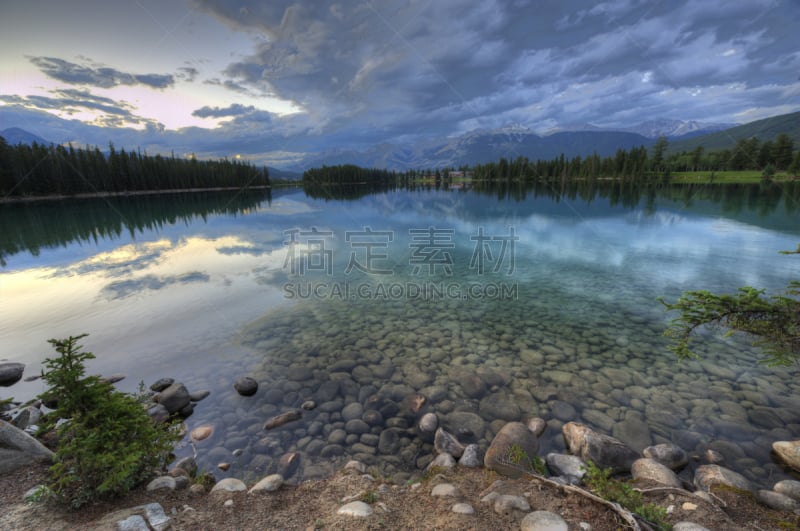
pixel 361 377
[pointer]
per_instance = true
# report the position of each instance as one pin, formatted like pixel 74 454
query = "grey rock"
pixel 372 417
pixel 471 457
pixel 566 465
pixel 788 487
pixel 270 483
pixel 356 508
pixel 462 508
pixel 389 442
pixel 563 410
pixel 161 483
pixel 499 406
pixel 197 396
pixel 283 418
pixel 543 521
pixel 599 419
pixel 356 426
pixel 174 398
pixel 472 385
pixel 511 434
pixel 633 432
pixel 537 425
pixel 134 522
pixel 789 452
pixel 352 411
pixel 185 467
pixel 18 448
pixel 288 463
pixel 652 470
pixel 506 503
pixel 442 460
pixel 113 378
pixel 708 475
pixel 466 422
pixel 10 372
pixel 777 501
pixel 161 384
pixel 668 454
pixel 602 450
pixel 446 490
pixel 429 422
pixel 688 526
pixel 308 405
pixel 229 485
pixel 246 386
pixel 27 416
pixel 156 517
pixel 158 413
pixel 445 442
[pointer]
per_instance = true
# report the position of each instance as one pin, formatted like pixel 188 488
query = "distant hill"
pixel 766 129
pixel 480 146
pixel 15 135
pixel 275 173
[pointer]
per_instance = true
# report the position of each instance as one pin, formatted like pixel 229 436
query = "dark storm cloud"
pixel 97 76
pixel 121 289
pixel 189 73
pixel 394 67
pixel 234 109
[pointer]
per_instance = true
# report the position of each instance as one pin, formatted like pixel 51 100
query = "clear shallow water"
pixel 567 328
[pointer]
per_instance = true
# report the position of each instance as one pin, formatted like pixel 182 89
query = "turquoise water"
pixel 494 309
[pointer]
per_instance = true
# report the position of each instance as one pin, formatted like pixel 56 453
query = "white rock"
pixel 156 516
pixel 788 487
pixel 133 523
pixel 442 460
pixel 543 521
pixel 444 489
pixel 463 508
pixel 356 508
pixel 228 503
pixel 162 482
pixel 504 503
pixel 688 526
pixel 269 484
pixel 229 485
pixel 356 465
pixel 689 506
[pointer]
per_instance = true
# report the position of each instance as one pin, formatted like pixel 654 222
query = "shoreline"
pixel 97 195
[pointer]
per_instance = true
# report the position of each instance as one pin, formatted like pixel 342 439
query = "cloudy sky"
pixel 269 80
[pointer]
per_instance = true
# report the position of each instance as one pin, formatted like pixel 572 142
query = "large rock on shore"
pixel 602 450
pixel 707 476
pixel 18 449
pixel 174 398
pixel 652 470
pixel 10 373
pixel 789 452
pixel 499 455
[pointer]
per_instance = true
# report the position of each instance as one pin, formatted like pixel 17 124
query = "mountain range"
pixel 485 145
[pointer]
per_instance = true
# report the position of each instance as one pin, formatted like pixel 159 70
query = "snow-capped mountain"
pixel 676 128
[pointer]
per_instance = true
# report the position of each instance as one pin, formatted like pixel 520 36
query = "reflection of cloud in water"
pixel 243 249
pixel 121 261
pixel 289 207
pixel 125 288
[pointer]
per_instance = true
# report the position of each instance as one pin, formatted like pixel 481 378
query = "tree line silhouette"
pixel 39 170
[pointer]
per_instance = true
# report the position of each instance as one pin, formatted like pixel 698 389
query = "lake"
pixel 495 305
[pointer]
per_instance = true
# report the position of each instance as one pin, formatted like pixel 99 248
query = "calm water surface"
pixel 494 308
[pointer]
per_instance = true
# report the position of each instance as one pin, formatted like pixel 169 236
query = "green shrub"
pixel 109 444
pixel 622 493
pixel 518 456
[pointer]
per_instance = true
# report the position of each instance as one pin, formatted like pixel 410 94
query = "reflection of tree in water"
pixel 32 226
